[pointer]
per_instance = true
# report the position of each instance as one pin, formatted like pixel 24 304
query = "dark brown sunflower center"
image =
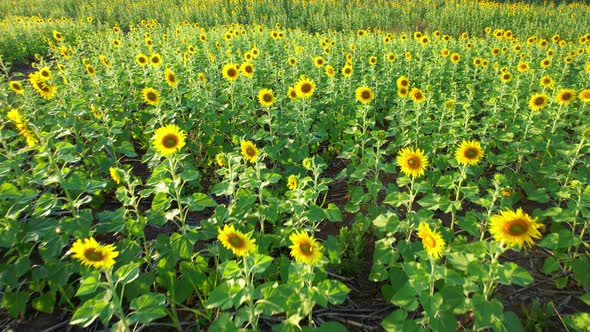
pixel 170 141
pixel 155 60
pixel 414 162
pixel 566 96
pixel 347 70
pixel 92 255
pixel 305 87
pixel 267 97
pixel 306 249
pixel 235 241
pixel 506 77
pixel 171 78
pixel 418 95
pixel 471 153
pixel 142 60
pixel 404 83
pixel 231 72
pixel 320 62
pixel 250 152
pixel 539 101
pixel 517 227
pixel 366 95
pixel 248 69
pixel 151 96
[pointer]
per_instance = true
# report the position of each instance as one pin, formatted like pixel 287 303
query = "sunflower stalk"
pixel 458 194
pixel 489 285
pixel 117 300
pixel 178 184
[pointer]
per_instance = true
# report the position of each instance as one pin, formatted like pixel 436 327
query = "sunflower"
pixel 514 228
pixel 292 93
pixel 90 70
pixel 522 67
pixel 230 72
pixel 114 173
pixel 546 81
pixel 220 159
pixel 402 92
pixel 236 241
pixel 249 151
pixel 155 60
pixel 431 240
pixel 455 58
pixel 45 73
pixel 506 77
pixel 91 253
pixel 330 71
pixel 292 61
pixel 151 96
pixel 364 94
pixel 116 43
pixel 545 63
pixel 103 59
pixel 40 85
pixel 318 61
pixel 445 52
pixel 412 162
pixel 168 140
pixel 304 87
pixel 170 78
pixel 247 69
pixel 265 97
pixel 538 101
pixel 390 57
pixel 372 60
pixel 305 249
pixel 347 71
pixel 141 59
pixel 15 116
pixel 16 87
pixel 292 182
pixel 565 96
pixel 403 82
pixel 469 153
pixel 57 35
pixel 417 95
pixel 584 96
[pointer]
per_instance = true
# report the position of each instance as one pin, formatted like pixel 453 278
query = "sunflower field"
pixel 316 165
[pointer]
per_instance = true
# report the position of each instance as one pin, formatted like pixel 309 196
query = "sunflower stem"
pixel 172 161
pixel 432 276
pixel 117 300
pixel 457 194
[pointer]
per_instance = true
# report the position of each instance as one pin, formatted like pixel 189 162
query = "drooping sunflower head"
pixel 538 101
pixel 265 97
pixel 114 173
pixel 431 240
pixel 305 249
pixel 93 254
pixel 515 228
pixel 565 96
pixel 417 95
pixel 230 72
pixel 249 151
pixel 304 87
pixel 151 96
pixel 364 94
pixel 236 241
pixel 292 182
pixel 16 87
pixel 41 85
pixel 413 162
pixel 170 78
pixel 469 153
pixel 168 140
pixel 90 70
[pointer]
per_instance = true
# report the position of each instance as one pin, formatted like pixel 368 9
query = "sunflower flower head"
pixel 292 182
pixel 431 240
pixel 413 162
pixel 364 94
pixel 249 151
pixel 93 254
pixel 236 241
pixel 565 96
pixel 515 228
pixel 538 101
pixel 469 153
pixel 114 173
pixel 16 87
pixel 230 72
pixel 151 96
pixel 265 97
pixel 168 140
pixel 304 87
pixel 305 249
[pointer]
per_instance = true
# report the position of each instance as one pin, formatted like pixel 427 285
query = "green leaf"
pixel 15 303
pixel 126 273
pixel 223 323
pixel 512 323
pixel 511 273
pixel 333 290
pixel 397 322
pixel 586 298
pixel 405 297
pixel 333 213
pixel 148 307
pixel 487 313
pixel 199 202
pixel 261 263
pixel 579 321
pixel 88 312
pixel 222 297
pixel 581 268
pixel 89 284
pixel 182 245
pixel 316 213
pixel 430 202
pixel 230 269
pixel 559 240
pixel 44 303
